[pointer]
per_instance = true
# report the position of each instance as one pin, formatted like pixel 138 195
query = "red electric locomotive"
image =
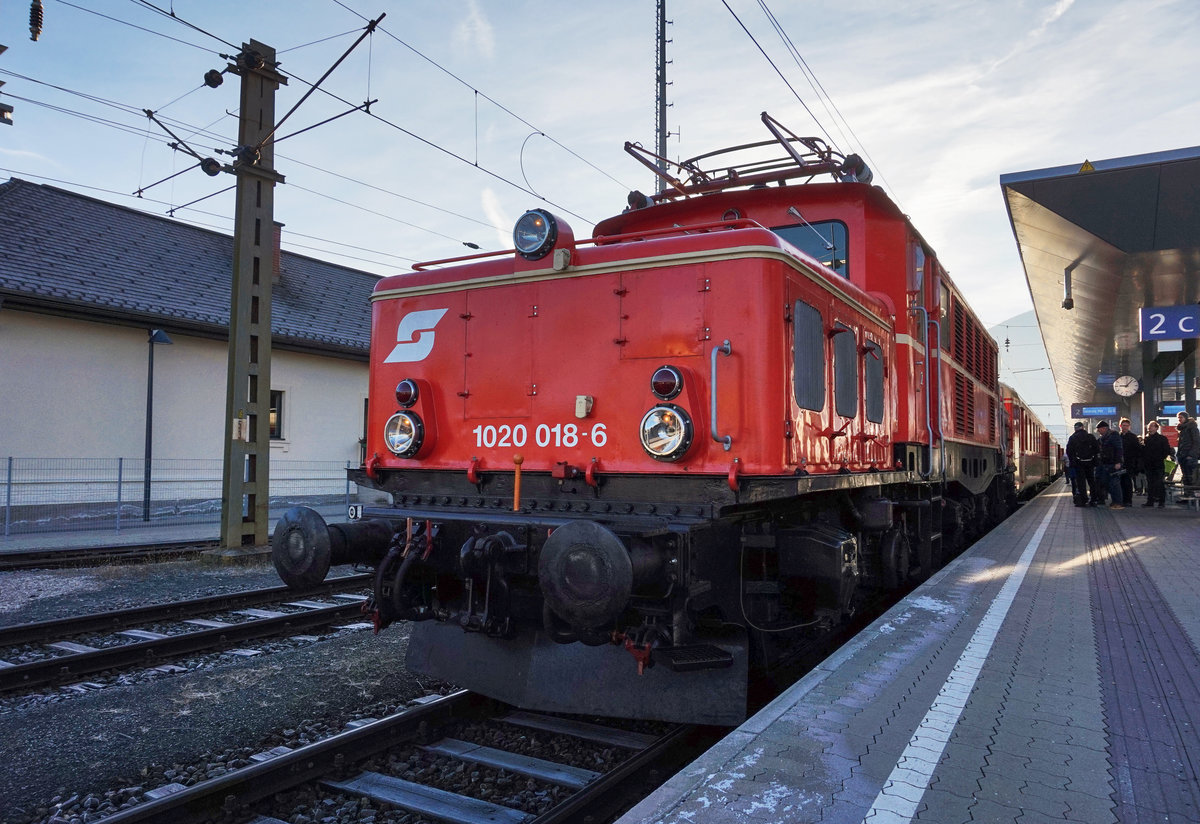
pixel 628 470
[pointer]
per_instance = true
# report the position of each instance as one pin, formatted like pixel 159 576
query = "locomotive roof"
pixel 69 254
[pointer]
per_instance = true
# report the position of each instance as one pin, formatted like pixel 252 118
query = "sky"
pixel 486 108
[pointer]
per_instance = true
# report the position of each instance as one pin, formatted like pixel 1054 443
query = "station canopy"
pixel 1111 236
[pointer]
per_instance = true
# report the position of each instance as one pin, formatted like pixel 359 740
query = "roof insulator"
pixel 36 19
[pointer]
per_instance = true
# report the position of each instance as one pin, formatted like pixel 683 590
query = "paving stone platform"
pixel 1050 673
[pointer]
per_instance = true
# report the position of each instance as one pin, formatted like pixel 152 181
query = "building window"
pixel 808 353
pixel 845 372
pixel 825 240
pixel 276 415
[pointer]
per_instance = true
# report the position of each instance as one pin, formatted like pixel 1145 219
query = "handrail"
pixel 601 240
pixel 725 440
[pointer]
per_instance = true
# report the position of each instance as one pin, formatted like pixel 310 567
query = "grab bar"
pixel 725 440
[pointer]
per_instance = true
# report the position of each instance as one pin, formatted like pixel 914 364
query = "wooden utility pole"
pixel 245 490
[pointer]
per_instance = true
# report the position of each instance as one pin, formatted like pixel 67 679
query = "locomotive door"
pixel 805 394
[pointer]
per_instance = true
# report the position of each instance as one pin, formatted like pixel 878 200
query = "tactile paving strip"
pixel 1151 686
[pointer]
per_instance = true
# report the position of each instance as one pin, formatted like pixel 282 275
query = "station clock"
pixel 1126 386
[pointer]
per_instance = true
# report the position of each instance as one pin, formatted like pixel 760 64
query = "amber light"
pixel 406 393
pixel 666 383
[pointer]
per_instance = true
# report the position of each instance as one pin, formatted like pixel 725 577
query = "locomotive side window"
pixel 808 352
pixel 918 269
pixel 845 372
pixel 824 240
pixel 873 382
pixel 945 324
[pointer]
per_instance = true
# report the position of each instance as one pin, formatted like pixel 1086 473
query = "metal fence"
pixel 58 494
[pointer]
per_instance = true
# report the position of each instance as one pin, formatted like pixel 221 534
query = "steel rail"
pixel 255 783
pixel 60 628
pixel 140 653
pixel 238 790
pixel 607 795
pixel 95 556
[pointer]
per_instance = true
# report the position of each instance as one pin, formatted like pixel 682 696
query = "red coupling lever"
pixel 640 653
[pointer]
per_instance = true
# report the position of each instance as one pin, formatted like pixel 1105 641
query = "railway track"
pixel 358 767
pixel 111 640
pixel 99 556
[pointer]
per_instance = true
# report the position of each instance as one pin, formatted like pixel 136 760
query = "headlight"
pixel 666 383
pixel 535 234
pixel 666 432
pixel 407 393
pixel 404 433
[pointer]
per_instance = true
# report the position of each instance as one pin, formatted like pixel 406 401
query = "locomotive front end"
pixel 543 422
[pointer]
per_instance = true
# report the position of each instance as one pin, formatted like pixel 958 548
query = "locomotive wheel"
pixel 300 548
pixel 585 574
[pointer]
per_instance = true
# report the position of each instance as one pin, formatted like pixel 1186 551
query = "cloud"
pixel 22 154
pixel 475 33
pixel 496 216
pixel 1028 41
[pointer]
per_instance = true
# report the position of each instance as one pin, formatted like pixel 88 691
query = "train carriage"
pixel 628 471
pixel 1033 450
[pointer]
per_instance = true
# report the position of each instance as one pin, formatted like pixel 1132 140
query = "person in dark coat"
pixel 1082 450
pixel 1188 447
pixel 1155 450
pixel 1132 448
pixel 1112 458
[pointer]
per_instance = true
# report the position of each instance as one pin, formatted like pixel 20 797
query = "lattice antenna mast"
pixel 660 93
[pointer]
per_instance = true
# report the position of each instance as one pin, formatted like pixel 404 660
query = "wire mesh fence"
pixel 60 494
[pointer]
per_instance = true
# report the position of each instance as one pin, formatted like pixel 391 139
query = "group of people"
pixel 1104 466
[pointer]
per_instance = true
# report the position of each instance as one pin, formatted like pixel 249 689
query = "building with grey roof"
pixel 83 281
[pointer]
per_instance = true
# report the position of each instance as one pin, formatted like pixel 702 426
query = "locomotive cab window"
pixel 824 240
pixel 873 381
pixel 808 353
pixel 845 372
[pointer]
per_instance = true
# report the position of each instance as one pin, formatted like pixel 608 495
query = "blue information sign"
pixel 1170 322
pixel 1084 410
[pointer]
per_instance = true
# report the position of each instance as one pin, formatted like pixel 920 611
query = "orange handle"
pixel 517 461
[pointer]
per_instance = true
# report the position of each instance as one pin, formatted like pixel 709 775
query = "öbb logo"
pixel 414 336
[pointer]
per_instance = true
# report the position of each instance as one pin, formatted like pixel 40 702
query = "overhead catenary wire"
pixel 485 96
pixel 219 216
pixel 826 99
pixel 779 72
pixel 135 26
pixel 171 15
pixel 207 135
pixel 165 141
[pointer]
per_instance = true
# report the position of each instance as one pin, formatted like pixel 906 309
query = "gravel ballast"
pixel 122 735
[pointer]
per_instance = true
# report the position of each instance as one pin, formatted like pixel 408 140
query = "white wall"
pixel 76 389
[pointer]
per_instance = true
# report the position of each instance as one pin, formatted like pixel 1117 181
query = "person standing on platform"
pixel 1155 450
pixel 1132 448
pixel 1082 450
pixel 1188 449
pixel 1111 458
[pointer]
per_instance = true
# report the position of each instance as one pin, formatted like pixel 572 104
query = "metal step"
pixel 695 657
